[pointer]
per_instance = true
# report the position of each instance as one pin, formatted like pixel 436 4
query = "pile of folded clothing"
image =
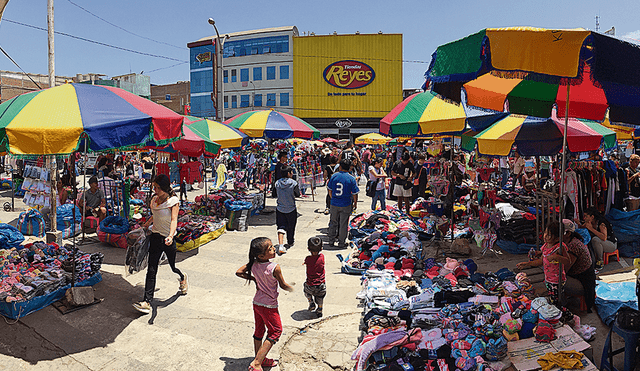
pixel 213 204
pixel 191 227
pixel 38 269
pixel 448 316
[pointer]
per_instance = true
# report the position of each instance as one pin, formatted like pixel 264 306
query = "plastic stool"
pixel 630 347
pixel 607 255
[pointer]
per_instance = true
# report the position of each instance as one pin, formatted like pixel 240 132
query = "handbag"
pixel 371 188
pixel 628 319
pixel 416 181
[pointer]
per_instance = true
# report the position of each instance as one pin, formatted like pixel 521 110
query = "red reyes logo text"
pixel 349 74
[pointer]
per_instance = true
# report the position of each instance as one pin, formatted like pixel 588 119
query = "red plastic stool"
pixel 607 255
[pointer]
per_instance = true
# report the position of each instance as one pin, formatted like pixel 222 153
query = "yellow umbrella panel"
pixel 372 138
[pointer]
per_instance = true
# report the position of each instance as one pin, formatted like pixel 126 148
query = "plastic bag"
pixel 31 223
pixel 137 256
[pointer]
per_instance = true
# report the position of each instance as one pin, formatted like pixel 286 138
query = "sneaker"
pixel 326 211
pixel 184 284
pixel 319 312
pixel 599 265
pixel 312 306
pixel 143 307
pixel 281 249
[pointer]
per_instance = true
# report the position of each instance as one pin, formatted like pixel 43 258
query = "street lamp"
pixel 219 49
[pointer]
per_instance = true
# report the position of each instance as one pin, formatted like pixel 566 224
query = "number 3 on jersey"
pixel 339 189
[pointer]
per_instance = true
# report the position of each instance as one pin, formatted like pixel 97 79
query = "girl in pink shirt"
pixel 552 255
pixel 267 276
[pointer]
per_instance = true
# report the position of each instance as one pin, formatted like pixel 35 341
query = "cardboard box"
pixel 524 354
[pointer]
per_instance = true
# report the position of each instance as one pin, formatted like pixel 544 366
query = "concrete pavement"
pixel 210 327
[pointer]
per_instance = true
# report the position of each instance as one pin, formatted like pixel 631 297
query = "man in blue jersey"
pixel 343 189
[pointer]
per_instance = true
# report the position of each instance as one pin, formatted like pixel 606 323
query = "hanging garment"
pixel 571 191
pixel 162 168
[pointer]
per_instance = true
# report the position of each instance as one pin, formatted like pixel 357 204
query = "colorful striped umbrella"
pixel 535 98
pixel 195 145
pixel 427 113
pixel 52 121
pixel 224 135
pixel 372 138
pixel 586 135
pixel 329 140
pixel 536 136
pixel 272 124
pixel 533 136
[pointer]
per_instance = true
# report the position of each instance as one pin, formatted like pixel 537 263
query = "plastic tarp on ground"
pixel 626 228
pixel 610 297
pixel 513 247
pixel 20 309
pixel 10 236
pixel 114 224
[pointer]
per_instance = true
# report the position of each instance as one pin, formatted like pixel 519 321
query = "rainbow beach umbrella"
pixel 534 137
pixel 427 113
pixel 194 145
pixel 53 121
pixel 272 124
pixel 224 135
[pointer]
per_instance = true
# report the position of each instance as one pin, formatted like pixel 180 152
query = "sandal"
pixel 268 362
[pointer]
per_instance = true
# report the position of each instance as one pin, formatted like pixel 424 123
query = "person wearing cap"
pixel 94 201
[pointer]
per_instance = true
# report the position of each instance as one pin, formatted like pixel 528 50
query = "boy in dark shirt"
pixel 315 288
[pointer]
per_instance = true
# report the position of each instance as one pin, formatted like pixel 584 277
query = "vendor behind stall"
pixel 633 173
pixel 94 200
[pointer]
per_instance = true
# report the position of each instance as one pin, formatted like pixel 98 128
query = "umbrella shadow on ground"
pixel 303 315
pixel 47 334
pixel 236 364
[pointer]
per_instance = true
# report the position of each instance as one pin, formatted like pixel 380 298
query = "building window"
pixel 234 101
pixel 284 99
pixel 284 72
pixel 257 73
pixel 233 76
pixel 226 101
pixel 167 97
pixel 244 100
pixel 257 100
pixel 244 74
pixel 271 99
pixel 226 76
pixel 271 73
pixel 258 45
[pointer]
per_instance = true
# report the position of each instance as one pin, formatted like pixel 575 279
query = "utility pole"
pixel 597 23
pixel 52 68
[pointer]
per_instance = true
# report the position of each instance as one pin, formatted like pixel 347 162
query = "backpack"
pixel 31 223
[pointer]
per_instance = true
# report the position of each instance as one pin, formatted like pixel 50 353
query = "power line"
pixel 14 62
pixel 96 42
pixel 127 31
pixel 164 68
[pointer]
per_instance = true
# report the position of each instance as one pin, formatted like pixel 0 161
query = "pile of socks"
pixel 38 269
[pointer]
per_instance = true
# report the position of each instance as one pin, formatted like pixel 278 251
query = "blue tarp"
pixel 610 297
pixel 114 224
pixel 513 247
pixel 626 228
pixel 10 236
pixel 20 309
pixel 237 205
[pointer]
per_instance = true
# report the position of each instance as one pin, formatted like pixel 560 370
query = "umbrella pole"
pixel 84 185
pixel 564 168
pixel 204 170
pixel 452 190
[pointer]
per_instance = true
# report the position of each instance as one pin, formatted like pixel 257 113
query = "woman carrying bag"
pixel 164 209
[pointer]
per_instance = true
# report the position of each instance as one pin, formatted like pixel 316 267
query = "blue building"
pixel 257 72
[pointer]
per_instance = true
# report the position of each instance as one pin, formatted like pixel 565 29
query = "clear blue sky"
pixel 424 25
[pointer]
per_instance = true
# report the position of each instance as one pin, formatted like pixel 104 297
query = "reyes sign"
pixel 349 74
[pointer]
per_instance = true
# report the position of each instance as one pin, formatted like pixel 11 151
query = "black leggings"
pixel 156 247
